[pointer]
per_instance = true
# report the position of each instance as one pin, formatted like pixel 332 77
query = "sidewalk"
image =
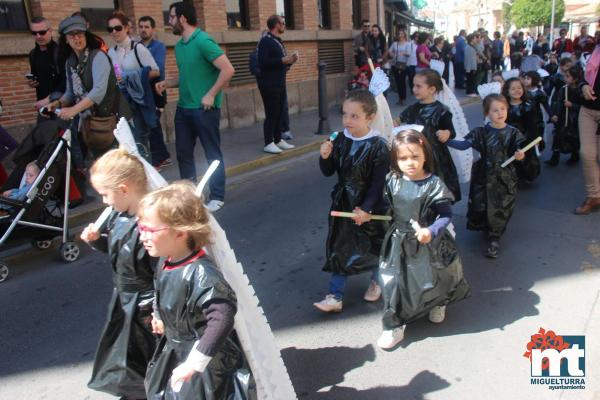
pixel 243 152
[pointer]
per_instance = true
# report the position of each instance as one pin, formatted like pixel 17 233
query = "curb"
pixel 84 216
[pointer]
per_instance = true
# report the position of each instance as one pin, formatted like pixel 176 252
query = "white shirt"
pixel 412 59
pixel 398 48
pixel 124 55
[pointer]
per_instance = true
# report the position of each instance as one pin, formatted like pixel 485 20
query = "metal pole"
pixel 551 41
pixel 323 106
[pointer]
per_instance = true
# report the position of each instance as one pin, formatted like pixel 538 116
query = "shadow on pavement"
pixel 425 382
pixel 314 369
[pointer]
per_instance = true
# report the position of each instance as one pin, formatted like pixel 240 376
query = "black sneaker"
pixel 493 249
pixel 553 161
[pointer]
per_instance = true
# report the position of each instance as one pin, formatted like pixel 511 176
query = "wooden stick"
pixel 371 66
pixel 524 149
pixel 352 215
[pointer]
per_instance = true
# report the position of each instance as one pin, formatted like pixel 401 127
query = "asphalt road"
pixel 547 276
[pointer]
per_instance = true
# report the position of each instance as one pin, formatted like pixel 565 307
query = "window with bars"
pixel 237 14
pixel 332 52
pixel 324 7
pixel 13 16
pixel 238 55
pixel 285 8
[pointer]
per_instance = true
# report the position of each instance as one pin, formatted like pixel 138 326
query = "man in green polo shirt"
pixel 203 71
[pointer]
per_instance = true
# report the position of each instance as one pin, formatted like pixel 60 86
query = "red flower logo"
pixel 545 340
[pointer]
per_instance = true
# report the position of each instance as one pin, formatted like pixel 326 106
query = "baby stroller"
pixel 43 213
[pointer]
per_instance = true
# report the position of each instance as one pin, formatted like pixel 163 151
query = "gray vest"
pixel 107 105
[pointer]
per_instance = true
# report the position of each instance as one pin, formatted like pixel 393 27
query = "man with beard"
pixel 159 153
pixel 47 67
pixel 204 70
pixel 274 63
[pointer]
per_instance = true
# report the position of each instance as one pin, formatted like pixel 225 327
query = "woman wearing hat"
pixel 91 84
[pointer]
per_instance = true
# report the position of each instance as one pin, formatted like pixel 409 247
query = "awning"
pixel 401 5
pixel 415 21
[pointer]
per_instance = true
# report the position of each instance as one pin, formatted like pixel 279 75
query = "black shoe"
pixel 574 159
pixel 553 161
pixel 493 249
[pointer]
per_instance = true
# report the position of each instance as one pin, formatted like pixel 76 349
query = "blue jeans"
pixel 196 123
pixel 141 132
pixel 337 283
pixel 158 150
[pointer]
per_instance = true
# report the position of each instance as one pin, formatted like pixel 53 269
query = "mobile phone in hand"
pixel 31 77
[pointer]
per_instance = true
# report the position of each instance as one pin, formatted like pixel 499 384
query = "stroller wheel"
pixel 3 272
pixel 42 244
pixel 69 251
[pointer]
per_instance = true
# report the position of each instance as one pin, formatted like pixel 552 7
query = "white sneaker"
pixel 214 205
pixel 373 292
pixel 272 148
pixel 329 304
pixel 437 314
pixel 390 338
pixel 283 145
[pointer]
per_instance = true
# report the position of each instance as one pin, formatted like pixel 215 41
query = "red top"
pixel 568 48
pixel 422 49
pixel 191 258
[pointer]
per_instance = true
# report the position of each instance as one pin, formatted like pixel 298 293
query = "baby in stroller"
pixel 32 170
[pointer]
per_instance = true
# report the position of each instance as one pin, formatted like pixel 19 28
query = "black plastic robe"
pixel 434 117
pixel 566 134
pixel 525 117
pixel 493 188
pixel 417 277
pixel 127 343
pixel 181 294
pixel 352 249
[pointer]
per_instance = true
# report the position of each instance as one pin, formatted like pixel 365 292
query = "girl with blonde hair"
pixel 127 342
pixel 195 306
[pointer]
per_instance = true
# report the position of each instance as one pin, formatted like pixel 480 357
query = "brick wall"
pixel 17 97
pixel 211 15
pixel 54 10
pixel 138 8
pixel 259 11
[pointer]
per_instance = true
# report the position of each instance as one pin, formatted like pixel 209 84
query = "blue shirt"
pixel 460 49
pixel 159 53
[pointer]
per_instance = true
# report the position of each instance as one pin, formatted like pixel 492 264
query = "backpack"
pixel 253 64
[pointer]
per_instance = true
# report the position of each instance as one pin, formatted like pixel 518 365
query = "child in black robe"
pixel 127 343
pixel 435 117
pixel 493 189
pixel 525 116
pixel 360 158
pixel 565 116
pixel 199 357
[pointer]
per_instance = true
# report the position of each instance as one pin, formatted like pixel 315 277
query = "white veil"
pixel 462 159
pixel 383 122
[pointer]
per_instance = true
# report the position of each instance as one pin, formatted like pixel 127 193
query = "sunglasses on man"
pixel 40 33
pixel 117 28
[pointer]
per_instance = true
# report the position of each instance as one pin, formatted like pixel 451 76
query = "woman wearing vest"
pixel 134 68
pixel 91 89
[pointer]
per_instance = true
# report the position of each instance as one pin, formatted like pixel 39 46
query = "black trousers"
pixel 273 98
pixel 471 82
pixel 400 79
pixel 459 75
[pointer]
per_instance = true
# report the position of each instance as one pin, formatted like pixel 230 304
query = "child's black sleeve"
pixel 376 189
pixel 327 166
pixel 446 124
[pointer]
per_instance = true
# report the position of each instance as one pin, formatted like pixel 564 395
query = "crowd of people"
pixel 391 212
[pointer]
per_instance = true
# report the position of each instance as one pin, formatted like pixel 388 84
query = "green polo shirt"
pixel 197 74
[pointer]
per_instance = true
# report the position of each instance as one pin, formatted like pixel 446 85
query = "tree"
pixel 506 15
pixel 527 13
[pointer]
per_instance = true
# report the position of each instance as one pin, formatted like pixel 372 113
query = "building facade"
pixel 317 29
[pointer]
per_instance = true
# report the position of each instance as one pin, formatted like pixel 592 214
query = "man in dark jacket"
pixel 274 63
pixel 47 68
